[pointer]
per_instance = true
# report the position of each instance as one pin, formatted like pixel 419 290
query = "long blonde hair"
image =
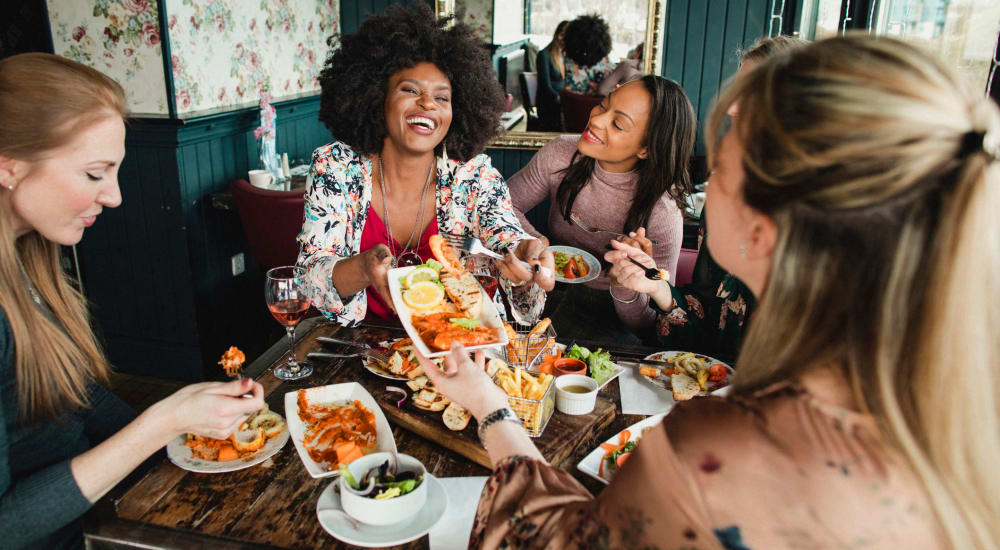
pixel 870 161
pixel 555 49
pixel 45 100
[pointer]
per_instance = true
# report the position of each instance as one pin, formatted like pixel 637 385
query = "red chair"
pixel 271 220
pixel 576 109
pixel 685 266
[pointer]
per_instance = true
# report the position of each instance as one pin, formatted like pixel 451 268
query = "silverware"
pixel 650 362
pixel 379 356
pixel 582 225
pixel 474 246
pixel 338 341
pixel 651 273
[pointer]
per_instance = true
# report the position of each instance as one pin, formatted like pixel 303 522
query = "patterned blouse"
pixel 472 199
pixel 782 469
pixel 710 313
pixel 585 80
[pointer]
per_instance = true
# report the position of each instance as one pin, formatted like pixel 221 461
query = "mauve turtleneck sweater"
pixel 602 203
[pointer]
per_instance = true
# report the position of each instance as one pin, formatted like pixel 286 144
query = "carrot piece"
pixel 345 449
pixel 621 459
pixel 610 448
pixel 228 453
pixel 352 456
pixel 624 437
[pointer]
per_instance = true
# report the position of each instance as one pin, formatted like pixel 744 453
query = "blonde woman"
pixel 65 440
pixel 551 77
pixel 856 196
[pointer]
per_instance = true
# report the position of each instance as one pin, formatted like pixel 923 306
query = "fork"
pixel 651 273
pixel 582 225
pixel 474 246
pixel 371 354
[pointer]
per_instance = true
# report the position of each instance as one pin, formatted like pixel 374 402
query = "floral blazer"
pixel 586 80
pixel 472 199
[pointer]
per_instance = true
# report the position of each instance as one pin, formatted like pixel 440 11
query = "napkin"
pixel 639 397
pixel 453 529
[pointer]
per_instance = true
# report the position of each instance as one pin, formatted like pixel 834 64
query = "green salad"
pixel 599 365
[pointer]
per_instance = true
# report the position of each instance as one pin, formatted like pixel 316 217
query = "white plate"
pixel 663 382
pixel 591 463
pixel 180 454
pixel 488 318
pixel 592 263
pixel 370 536
pixel 335 393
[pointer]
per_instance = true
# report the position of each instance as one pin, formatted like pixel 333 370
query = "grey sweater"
pixel 40 502
pixel 602 203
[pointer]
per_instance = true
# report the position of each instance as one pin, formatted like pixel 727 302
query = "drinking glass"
pixel 482 269
pixel 287 298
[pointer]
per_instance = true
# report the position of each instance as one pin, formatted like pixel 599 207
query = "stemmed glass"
pixel 288 300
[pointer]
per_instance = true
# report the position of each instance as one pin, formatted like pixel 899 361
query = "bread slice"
pixel 493 365
pixel 465 292
pixel 455 417
pixel 418 383
pixel 684 386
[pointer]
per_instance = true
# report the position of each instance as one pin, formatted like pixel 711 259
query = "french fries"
pixel 525 347
pixel 528 394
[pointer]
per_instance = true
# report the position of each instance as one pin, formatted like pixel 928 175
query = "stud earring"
pixel 10 187
pixel 743 251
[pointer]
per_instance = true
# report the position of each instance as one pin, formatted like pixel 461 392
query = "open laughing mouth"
pixel 589 136
pixel 421 124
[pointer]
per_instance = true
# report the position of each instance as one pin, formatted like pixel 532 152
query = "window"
pixel 962 32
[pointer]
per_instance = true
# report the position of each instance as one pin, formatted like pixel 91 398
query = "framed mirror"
pixel 515 30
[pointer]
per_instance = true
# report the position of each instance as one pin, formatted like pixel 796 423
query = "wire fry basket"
pixel 525 350
pixel 534 413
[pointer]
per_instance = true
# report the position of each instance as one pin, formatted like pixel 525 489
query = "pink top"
pixel 602 203
pixel 375 233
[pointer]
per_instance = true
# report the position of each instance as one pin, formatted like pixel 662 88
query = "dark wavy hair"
pixel 356 75
pixel 670 137
pixel 588 40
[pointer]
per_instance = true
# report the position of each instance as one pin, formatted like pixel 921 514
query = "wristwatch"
pixel 498 415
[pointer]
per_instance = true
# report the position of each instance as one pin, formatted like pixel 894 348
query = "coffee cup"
pixel 261 178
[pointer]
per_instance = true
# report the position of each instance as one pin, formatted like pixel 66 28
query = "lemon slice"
pixel 420 274
pixel 423 295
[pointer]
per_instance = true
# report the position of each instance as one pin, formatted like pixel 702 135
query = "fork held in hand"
pixel 575 218
pixel 652 273
pixel 472 245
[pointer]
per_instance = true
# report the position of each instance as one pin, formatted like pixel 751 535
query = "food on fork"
pixel 446 254
pixel 232 361
pixel 336 433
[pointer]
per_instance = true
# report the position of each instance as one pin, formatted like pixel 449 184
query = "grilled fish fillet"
pixel 465 292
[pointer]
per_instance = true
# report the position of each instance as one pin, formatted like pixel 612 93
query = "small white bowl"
pixel 391 510
pixel 575 403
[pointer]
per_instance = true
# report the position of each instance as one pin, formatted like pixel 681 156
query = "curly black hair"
pixel 588 40
pixel 356 75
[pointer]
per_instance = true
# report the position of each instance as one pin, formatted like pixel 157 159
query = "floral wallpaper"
pixel 225 53
pixel 120 38
pixel 477 14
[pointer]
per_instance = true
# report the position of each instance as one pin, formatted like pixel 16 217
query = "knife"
pixel 338 341
pixel 650 362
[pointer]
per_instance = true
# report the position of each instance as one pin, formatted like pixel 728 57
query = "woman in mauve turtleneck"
pixel 626 173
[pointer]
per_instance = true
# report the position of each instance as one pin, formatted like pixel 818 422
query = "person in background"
pixel 856 196
pixel 587 45
pixel 626 71
pixel 65 440
pixel 411 102
pixel 626 172
pixel 551 76
pixel 710 314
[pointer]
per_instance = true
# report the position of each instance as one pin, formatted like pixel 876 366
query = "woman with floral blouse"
pixel 411 103
pixel 588 43
pixel 856 196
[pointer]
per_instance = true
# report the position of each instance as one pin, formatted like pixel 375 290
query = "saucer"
pixel 371 536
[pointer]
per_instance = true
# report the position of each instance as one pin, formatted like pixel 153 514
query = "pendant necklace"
pixel 404 257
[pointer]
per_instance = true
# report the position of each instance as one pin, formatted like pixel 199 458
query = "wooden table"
pixel 273 505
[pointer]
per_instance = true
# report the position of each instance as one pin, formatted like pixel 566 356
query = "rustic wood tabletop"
pixel 273 504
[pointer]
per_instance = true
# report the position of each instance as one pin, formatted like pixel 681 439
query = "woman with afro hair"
pixel 411 103
pixel 587 45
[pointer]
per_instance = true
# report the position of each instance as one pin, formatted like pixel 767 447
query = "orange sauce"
pixel 331 425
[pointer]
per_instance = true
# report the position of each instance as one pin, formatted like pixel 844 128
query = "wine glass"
pixel 287 298
pixel 482 269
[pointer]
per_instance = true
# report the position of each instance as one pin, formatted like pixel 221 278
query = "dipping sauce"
pixel 576 389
